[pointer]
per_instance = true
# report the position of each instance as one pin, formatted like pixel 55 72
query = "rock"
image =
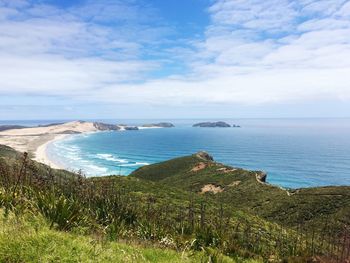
pixel 219 124
pixel 211 188
pixel 106 127
pixel 205 156
pixel 160 125
pixel 124 127
pixel 198 167
pixel 261 177
pixel 236 126
pixel 226 170
pixel 131 128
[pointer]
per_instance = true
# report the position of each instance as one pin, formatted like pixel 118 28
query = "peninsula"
pixel 35 140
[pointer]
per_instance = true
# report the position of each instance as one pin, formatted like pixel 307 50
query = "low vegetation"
pixel 160 213
pixel 30 239
pixel 246 191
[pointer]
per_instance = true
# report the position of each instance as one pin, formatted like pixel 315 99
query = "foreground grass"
pixel 29 239
pixel 22 241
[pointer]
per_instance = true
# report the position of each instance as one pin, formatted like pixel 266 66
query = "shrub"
pixel 13 201
pixel 62 212
pixel 108 210
pixel 206 237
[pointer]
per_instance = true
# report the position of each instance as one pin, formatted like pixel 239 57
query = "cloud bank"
pixel 252 52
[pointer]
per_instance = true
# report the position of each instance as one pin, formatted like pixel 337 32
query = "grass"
pixel 242 191
pixel 161 208
pixel 29 239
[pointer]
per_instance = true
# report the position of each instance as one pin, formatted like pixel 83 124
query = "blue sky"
pixel 174 59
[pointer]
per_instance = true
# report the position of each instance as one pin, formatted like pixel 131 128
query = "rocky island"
pixel 124 127
pixel 106 127
pixel 219 124
pixel 159 125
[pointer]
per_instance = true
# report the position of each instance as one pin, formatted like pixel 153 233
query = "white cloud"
pixel 321 7
pixel 264 15
pixel 50 51
pixel 253 52
pixel 54 75
pixel 275 51
pixel 323 24
pixel 345 10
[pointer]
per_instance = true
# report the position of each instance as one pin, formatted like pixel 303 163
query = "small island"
pixel 219 124
pixel 159 125
pixel 124 127
pixel 105 126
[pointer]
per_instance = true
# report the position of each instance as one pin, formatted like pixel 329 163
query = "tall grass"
pixel 102 207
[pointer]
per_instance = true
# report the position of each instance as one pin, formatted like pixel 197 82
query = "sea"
pixel 294 153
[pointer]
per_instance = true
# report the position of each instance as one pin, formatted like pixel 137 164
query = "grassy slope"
pixel 29 239
pixel 170 196
pixel 241 190
pixel 9 163
pixel 174 182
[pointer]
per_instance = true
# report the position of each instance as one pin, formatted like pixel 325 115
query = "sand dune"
pixel 35 140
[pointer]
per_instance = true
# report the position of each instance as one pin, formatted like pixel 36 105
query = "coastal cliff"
pixel 106 127
pixel 249 190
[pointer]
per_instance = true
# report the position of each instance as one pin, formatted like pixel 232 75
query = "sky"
pixel 85 59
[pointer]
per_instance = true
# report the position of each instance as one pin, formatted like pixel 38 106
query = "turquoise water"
pixel 294 153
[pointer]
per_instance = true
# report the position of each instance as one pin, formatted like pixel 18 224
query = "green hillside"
pixel 247 191
pixel 30 239
pixel 189 209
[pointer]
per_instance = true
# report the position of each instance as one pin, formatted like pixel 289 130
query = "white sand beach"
pixel 35 140
pixel 41 155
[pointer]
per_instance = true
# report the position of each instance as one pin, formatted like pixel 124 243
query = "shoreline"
pixel 35 140
pixel 42 156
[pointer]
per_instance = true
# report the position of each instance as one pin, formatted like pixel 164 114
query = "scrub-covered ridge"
pixel 189 209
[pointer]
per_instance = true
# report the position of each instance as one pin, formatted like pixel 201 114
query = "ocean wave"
pixel 66 153
pixel 134 164
pixel 94 169
pixel 110 157
pixel 84 135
